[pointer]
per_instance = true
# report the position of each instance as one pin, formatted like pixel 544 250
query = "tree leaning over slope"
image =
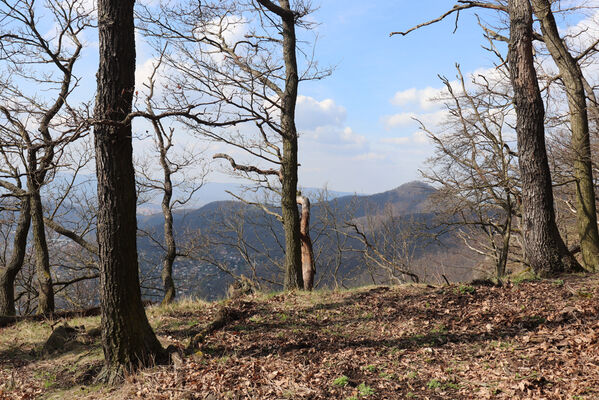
pixel 544 247
pixel 127 336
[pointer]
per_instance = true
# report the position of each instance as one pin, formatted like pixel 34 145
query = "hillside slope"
pixel 405 212
pixel 534 340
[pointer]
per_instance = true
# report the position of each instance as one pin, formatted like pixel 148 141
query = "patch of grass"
pixel 412 375
pixel 283 317
pixel 584 294
pixel 365 390
pixel 341 381
pixel 433 384
pixel 527 275
pixel 558 282
pixel 257 319
pixel 439 329
pixel 451 385
pixel 370 368
pixel 410 395
pixel 48 378
pixel 386 375
pixel 465 289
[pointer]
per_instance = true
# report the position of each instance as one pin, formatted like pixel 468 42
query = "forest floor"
pixel 532 340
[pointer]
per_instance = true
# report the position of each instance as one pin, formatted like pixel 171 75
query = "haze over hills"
pixel 396 212
pixel 217 191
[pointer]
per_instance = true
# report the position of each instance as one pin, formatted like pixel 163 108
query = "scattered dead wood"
pixel 225 316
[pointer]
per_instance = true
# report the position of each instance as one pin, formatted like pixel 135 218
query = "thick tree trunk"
pixel 571 76
pixel 545 249
pixel 127 337
pixel 291 223
pixel 8 274
pixel 308 267
pixel 45 299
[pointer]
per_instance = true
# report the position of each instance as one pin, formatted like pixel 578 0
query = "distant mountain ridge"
pixel 401 208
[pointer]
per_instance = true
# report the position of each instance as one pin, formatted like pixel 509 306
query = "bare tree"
pixel 255 77
pixel 533 158
pixel 13 265
pixel 173 167
pixel 545 249
pixel 37 128
pixel 571 75
pixel 387 244
pixel 475 167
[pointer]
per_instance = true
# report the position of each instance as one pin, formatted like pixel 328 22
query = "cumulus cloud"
pixel 322 123
pixel 420 137
pixel 410 118
pixel 422 98
pixel 142 75
pixel 342 139
pixel 396 140
pixel 417 138
pixel 311 113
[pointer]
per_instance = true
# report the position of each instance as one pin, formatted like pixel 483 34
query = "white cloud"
pixel 396 140
pixel 417 138
pixel 370 156
pixel 409 119
pixel 322 123
pixel 311 113
pixel 420 137
pixel 339 139
pixel 423 98
pixel 143 73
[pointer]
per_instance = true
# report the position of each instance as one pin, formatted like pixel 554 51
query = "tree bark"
pixel 571 76
pixel 544 247
pixel 308 267
pixel 127 337
pixel 169 237
pixel 45 300
pixel 291 223
pixel 8 274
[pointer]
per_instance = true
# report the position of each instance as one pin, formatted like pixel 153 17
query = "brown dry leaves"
pixel 537 340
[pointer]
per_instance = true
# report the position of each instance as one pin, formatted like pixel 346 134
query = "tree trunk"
pixel 127 336
pixel 308 267
pixel 169 237
pixel 571 76
pixel 505 244
pixel 45 299
pixel 544 247
pixel 291 223
pixel 8 274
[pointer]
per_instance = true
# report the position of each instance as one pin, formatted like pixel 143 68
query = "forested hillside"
pixel 421 238
pixel 406 207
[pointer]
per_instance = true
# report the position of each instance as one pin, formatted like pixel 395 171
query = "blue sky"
pixel 371 68
pixel 357 132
